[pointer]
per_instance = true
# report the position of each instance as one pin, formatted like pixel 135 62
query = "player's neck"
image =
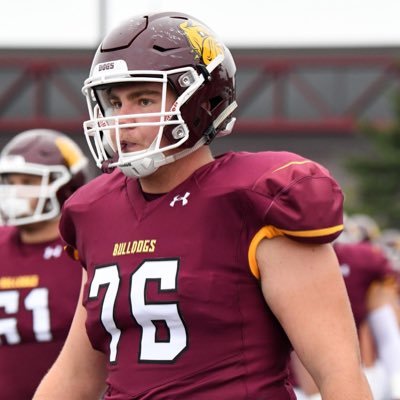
pixel 39 232
pixel 171 175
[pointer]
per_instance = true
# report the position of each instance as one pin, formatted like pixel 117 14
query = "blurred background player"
pixel 389 240
pixel 372 286
pixel 39 286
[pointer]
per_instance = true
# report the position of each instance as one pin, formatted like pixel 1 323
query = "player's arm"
pixel 382 300
pixel 304 380
pixel 303 286
pixel 79 371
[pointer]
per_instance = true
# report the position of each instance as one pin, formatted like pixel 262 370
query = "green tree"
pixel 378 174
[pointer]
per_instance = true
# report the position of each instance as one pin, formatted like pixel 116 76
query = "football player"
pixel 39 285
pixel 201 272
pixel 372 286
pixel 389 240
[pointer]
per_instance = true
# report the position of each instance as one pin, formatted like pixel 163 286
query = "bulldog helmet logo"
pixel 203 43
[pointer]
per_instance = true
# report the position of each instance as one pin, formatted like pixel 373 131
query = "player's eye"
pixel 145 102
pixel 114 104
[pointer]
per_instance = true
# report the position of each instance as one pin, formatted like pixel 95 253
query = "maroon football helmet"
pixel 52 156
pixel 177 51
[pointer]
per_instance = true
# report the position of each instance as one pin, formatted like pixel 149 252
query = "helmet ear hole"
pixel 215 102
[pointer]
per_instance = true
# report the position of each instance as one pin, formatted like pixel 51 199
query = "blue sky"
pixel 253 23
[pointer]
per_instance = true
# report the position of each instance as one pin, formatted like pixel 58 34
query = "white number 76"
pixel 166 271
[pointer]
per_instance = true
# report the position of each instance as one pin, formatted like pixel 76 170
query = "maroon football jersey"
pixel 172 295
pixel 39 289
pixel 362 264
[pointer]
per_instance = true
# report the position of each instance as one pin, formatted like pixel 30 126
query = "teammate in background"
pixel 200 271
pixel 372 286
pixel 389 240
pixel 39 285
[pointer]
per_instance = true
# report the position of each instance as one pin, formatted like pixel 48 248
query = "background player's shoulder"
pixel 7 233
pixel 364 255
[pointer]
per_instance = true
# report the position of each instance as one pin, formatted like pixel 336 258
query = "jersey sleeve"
pixel 68 234
pixel 77 213
pixel 302 201
pixel 307 203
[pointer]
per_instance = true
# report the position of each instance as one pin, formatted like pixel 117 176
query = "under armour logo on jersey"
pixel 183 199
pixel 52 252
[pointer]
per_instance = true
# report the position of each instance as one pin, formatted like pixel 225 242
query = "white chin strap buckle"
pixel 144 167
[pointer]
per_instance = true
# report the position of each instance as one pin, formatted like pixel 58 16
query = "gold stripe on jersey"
pixel 76 255
pixel 19 282
pixel 314 232
pixel 292 163
pixel 270 232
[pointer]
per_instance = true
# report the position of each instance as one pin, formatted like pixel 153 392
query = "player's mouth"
pixel 129 147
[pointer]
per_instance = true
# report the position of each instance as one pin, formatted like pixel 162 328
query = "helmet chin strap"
pixel 143 167
pixel 148 165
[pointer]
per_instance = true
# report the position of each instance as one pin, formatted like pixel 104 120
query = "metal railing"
pixel 317 93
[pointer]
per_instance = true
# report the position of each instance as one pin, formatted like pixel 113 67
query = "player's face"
pixel 25 180
pixel 136 98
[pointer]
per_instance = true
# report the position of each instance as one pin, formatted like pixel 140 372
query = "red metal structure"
pixel 309 92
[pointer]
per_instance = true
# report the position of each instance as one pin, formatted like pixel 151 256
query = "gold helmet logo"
pixel 71 153
pixel 204 44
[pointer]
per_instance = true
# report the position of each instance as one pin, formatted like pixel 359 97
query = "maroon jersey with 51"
pixel 39 290
pixel 172 296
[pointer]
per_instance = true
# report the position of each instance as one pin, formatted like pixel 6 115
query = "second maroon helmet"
pixel 53 157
